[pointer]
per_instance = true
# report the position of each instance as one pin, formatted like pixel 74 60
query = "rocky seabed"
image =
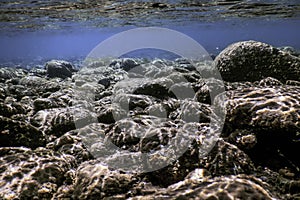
pixel 68 133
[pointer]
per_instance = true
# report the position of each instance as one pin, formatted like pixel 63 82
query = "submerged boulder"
pixel 199 186
pixel 15 133
pixel 59 69
pixel 264 122
pixel 33 174
pixel 96 181
pixel 253 61
pixel 9 73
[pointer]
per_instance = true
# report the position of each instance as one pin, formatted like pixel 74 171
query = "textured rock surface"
pixel 252 61
pixel 15 133
pixel 57 121
pixel 27 174
pixel 59 68
pixel 273 108
pixel 197 186
pixel 8 73
pixel 88 137
pixel 102 181
pixel 264 122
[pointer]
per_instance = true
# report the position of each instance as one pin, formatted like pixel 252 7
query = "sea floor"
pixel 149 124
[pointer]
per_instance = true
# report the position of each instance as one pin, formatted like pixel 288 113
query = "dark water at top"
pixel 32 32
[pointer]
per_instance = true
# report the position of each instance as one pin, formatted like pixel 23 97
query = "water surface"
pixel 35 31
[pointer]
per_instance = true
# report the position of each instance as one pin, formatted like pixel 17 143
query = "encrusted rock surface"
pixel 27 174
pixel 140 129
pixel 252 61
pixel 59 68
pixel 16 133
pixel 197 186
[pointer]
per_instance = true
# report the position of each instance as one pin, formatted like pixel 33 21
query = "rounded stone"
pixel 59 68
pixel 253 61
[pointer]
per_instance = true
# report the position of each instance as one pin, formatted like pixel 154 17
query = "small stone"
pixel 105 82
pixel 269 81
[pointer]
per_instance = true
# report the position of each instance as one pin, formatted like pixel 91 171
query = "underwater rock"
pixel 227 159
pixel 269 81
pixel 71 144
pixel 10 109
pixel 125 64
pixel 59 69
pixel 38 72
pixel 98 72
pixel 158 88
pixel 57 121
pixel 268 108
pixel 197 186
pixel 96 181
pixel 105 82
pixel 115 107
pixel 19 91
pixel 43 104
pixel 35 85
pixel 65 97
pixel 290 50
pixel 244 139
pixel 17 133
pixel 3 91
pixel 9 73
pixel 253 61
pixel 28 174
pixel 265 123
pixel 207 89
pixel 223 159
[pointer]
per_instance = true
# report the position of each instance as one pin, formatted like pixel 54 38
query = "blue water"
pixel 25 46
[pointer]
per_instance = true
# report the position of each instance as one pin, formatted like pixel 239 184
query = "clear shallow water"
pixel 52 30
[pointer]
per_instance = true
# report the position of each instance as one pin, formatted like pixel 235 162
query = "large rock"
pixel 96 181
pixel 28 174
pixel 57 121
pixel 126 64
pixel 264 121
pixel 10 109
pixel 15 133
pixel 9 73
pixel 59 68
pixel 268 108
pixel 70 144
pixel 34 86
pixel 252 61
pixel 198 186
